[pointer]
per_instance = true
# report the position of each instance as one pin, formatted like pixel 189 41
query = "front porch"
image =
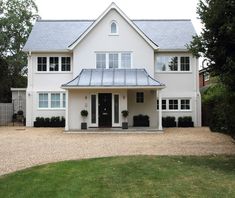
pixel 104 94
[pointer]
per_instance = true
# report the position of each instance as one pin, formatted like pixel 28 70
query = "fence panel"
pixel 6 113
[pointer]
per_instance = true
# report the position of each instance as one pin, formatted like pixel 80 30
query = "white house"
pixel 109 65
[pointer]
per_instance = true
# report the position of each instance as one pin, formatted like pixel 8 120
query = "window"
pixel 116 108
pixel 167 63
pixel 52 100
pixel 184 64
pixel 55 100
pixel 126 60
pixel 173 104
pixel 206 76
pixel 113 27
pixel 140 97
pixel 64 101
pixel 185 104
pixel 54 64
pixel 43 100
pixel 101 61
pixel 113 60
pixel 42 64
pixel 65 63
pixel 163 104
pixel 93 109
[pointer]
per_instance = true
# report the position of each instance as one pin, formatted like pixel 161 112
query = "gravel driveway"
pixel 24 147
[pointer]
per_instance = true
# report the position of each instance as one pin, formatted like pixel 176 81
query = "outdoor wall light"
pixel 124 97
pixel 85 97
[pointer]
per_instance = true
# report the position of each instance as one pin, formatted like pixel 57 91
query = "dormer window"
pixel 113 28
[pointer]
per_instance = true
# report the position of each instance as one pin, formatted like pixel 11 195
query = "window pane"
pixel 64 100
pixel 184 63
pixel 65 63
pixel 54 64
pixel 55 100
pixel 113 60
pixel 116 108
pixel 173 104
pixel 139 97
pixel 43 100
pixel 185 104
pixel 167 63
pixel 125 60
pixel 42 64
pixel 113 28
pixel 101 61
pixel 93 109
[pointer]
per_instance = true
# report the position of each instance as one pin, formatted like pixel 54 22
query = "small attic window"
pixel 113 27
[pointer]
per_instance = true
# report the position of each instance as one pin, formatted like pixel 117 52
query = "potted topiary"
pixel 125 124
pixel 84 114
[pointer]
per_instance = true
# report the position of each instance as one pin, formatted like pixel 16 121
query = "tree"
pixel 217 44
pixel 217 40
pixel 16 19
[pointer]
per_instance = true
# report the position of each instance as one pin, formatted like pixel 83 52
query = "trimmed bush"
pixel 49 122
pixel 168 121
pixel 141 120
pixel 185 121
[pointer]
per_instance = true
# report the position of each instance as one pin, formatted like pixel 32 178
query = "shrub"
pixel 125 113
pixel 20 112
pixel 84 113
pixel 185 121
pixel 168 121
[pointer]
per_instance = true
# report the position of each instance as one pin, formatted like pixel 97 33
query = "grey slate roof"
pixel 113 78
pixel 57 35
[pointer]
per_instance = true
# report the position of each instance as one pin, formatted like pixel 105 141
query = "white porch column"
pixel 67 110
pixel 159 110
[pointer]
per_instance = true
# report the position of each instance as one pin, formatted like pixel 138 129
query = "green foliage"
pixel 84 113
pixel 130 176
pixel 16 19
pixel 217 41
pixel 220 103
pixel 125 113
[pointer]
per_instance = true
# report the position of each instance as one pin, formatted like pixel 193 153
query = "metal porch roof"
pixel 113 78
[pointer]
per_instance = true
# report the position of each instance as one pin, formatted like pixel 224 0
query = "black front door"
pixel 105 110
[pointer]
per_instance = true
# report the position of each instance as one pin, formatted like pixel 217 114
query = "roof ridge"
pixel 65 20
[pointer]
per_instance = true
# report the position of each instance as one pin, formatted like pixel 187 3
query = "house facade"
pixel 109 65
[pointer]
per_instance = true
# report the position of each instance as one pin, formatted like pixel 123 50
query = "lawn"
pixel 133 176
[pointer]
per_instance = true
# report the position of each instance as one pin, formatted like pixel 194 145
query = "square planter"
pixel 83 125
pixel 125 125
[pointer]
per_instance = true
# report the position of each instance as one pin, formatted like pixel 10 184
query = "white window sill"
pixel 173 72
pixel 53 72
pixel 50 109
pixel 113 34
pixel 177 110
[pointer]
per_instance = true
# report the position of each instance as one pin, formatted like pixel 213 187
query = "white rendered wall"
pixel 147 108
pixel 81 99
pixel 100 40
pixel 183 85
pixel 43 82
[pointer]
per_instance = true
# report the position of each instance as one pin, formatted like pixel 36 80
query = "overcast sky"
pixel 134 9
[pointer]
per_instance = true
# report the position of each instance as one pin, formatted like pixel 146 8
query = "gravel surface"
pixel 25 147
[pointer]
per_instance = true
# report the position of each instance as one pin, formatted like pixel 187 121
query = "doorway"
pixel 105 109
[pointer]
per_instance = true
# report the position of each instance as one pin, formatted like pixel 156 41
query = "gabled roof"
pixel 115 78
pixel 58 35
pixel 115 7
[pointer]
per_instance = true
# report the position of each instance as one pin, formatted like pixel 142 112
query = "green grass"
pixel 134 176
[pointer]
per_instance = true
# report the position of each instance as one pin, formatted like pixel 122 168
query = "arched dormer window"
pixel 114 27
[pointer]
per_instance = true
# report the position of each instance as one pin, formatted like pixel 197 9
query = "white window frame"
pixel 178 64
pixel 60 64
pixel 179 104
pixel 110 28
pixel 97 113
pixel 113 123
pixel 49 100
pixel 119 58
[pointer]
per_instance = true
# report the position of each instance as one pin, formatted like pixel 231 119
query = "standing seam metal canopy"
pixel 113 78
